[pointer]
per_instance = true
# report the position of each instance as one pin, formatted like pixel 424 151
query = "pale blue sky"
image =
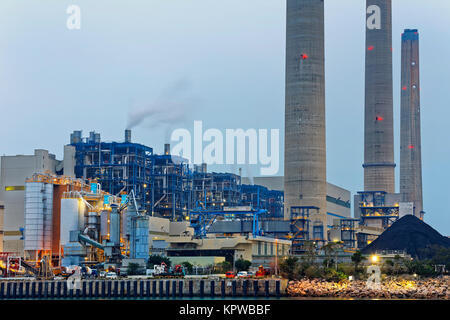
pixel 230 56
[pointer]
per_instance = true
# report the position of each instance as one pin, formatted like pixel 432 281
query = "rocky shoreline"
pixel 437 288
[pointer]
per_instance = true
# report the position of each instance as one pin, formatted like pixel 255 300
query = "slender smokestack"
pixel 305 149
pixel 410 140
pixel 128 136
pixel 167 149
pixel 379 166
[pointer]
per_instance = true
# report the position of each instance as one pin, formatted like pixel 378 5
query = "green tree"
pixel 421 267
pixel 357 259
pixel 134 269
pixel 331 250
pixel 288 267
pixel 312 272
pixel 242 265
pixel 310 254
pixel 225 266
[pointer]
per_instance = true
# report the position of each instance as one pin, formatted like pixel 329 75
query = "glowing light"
pixel 304 56
pixel 404 88
pixel 378 118
pixel 374 258
pixel 370 48
pixel 411 147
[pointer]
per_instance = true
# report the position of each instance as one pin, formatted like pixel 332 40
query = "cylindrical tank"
pixel 139 247
pixel 104 228
pixel 114 225
pixel 38 216
pixel 34 220
pixel 47 214
pixel 71 211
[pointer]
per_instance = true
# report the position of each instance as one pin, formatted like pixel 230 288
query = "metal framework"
pixel 201 220
pixel 117 166
pixel 373 207
pixel 170 187
pixel 348 232
pixel 261 197
pixel 300 227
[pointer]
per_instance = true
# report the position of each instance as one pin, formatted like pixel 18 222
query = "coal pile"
pixel 408 233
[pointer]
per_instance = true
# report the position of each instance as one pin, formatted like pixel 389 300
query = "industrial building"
pixel 175 239
pixel 257 196
pixel 338 199
pixel 305 146
pixel 170 186
pixel 410 139
pixel 379 166
pixel 166 185
pixel 117 166
pixel 14 171
pixel 47 221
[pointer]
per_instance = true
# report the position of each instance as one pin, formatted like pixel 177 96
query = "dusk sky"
pixel 221 62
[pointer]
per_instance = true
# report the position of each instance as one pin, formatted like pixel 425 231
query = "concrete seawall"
pixel 150 288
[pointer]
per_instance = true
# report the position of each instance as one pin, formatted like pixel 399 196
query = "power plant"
pixel 410 140
pixel 114 204
pixel 305 148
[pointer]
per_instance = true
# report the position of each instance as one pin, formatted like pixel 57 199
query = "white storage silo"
pixel 72 218
pixel 38 216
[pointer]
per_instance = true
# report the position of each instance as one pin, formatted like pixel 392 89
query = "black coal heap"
pixel 408 233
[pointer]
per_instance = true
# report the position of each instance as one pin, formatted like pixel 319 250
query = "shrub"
pixel 134 269
pixel 289 267
pixel 225 266
pixel 312 272
pixel 242 265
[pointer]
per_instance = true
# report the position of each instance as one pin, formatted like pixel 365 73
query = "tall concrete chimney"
pixel 305 149
pixel 379 166
pixel 410 140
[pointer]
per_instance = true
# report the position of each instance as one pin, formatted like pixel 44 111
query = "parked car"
pixel 229 274
pixel 102 274
pixel 111 275
pixel 242 274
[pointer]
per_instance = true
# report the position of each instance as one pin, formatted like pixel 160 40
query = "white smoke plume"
pixel 167 111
